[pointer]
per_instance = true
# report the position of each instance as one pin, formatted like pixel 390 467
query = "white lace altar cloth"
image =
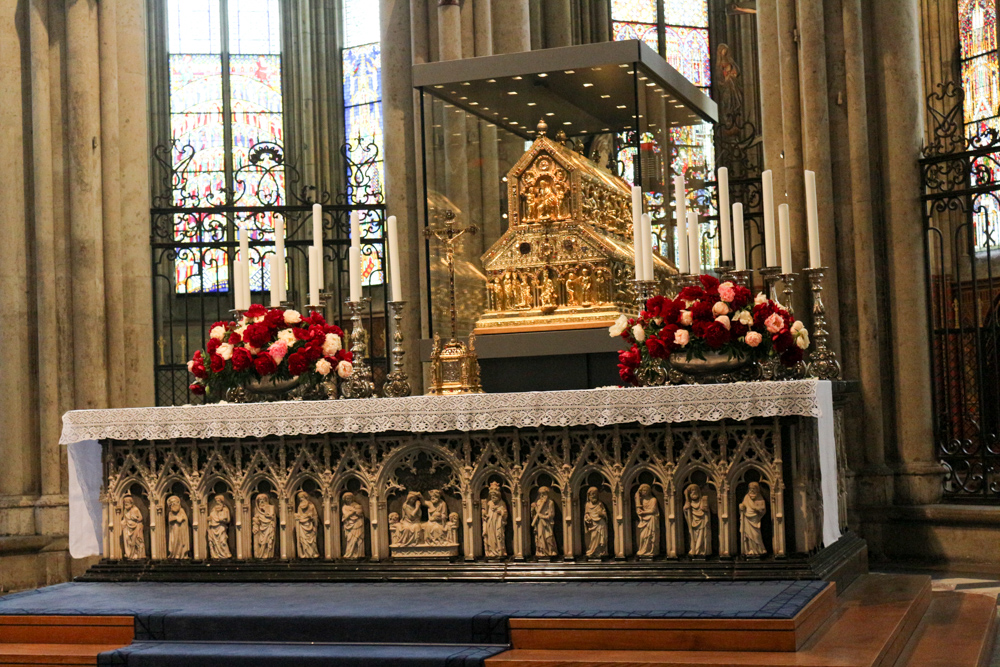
pixel 471 412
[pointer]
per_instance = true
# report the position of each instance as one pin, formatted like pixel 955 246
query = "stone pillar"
pixel 449 30
pixel 897 45
pixel 513 33
pixel 83 131
pixel 492 223
pixel 770 97
pixel 558 23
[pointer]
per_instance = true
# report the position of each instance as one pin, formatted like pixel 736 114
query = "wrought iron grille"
pixel 194 218
pixel 960 172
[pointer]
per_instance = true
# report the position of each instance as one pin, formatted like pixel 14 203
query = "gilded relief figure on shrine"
pixel 566 260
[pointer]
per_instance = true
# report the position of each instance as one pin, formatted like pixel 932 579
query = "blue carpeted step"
pixel 251 654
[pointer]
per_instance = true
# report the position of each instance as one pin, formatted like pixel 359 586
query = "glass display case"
pixel 534 155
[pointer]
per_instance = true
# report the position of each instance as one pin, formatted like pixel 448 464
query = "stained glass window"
pixel 362 66
pixel 225 97
pixel 684 30
pixel 977 29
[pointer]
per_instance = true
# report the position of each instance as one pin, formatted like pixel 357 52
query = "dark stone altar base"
pixel 841 563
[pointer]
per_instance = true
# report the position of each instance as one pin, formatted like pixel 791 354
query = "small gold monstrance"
pixel 454 366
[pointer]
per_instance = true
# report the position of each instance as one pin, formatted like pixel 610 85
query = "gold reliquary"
pixel 566 260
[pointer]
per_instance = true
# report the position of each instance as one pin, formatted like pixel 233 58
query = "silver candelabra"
pixel 823 363
pixel 359 383
pixel 396 383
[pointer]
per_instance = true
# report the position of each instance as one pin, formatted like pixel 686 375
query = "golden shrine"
pixel 566 260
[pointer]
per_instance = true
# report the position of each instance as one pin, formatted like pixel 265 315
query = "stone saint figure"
pixel 595 525
pixel 494 524
pixel 699 521
pixel 648 529
pixel 352 523
pixel 435 530
pixel 752 511
pixel 218 529
pixel 393 528
pixel 306 524
pixel 410 529
pixel 178 533
pixel 453 528
pixel 543 516
pixel 263 527
pixel 133 538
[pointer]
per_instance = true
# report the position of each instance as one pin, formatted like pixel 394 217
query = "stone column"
pixel 400 158
pixel 449 30
pixel 83 131
pixel 558 23
pixel 492 223
pixel 897 45
pixel 513 33
pixel 770 97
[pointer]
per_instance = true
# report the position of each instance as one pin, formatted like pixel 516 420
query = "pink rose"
pixel 720 308
pixel 774 323
pixel 323 367
pixel 686 318
pixel 727 292
pixel 681 338
pixel 344 369
pixel 724 321
pixel 277 351
pixel 753 339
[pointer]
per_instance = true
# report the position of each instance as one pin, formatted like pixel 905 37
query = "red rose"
pixel 741 299
pixel 315 317
pixel 782 341
pixel 344 355
pixel 301 333
pixel 702 311
pixel 297 363
pixel 197 389
pixel 312 352
pixel 656 348
pixel 654 306
pixel 234 339
pixel 691 293
pixel 699 328
pixel 332 328
pixel 264 364
pixel 716 335
pixel 627 375
pixel 198 368
pixel 670 312
pixel 791 356
pixel 256 310
pixel 630 357
pixel 711 284
pixel 737 330
pixel 241 359
pixel 218 364
pixel 257 335
pixel 275 319
pixel 212 345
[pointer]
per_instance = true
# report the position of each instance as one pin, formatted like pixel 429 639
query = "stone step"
pixel 958 630
pixel 117 630
pixel 43 655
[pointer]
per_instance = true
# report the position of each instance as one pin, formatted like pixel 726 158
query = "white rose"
pixel 759 299
pixel 287 336
pixel 802 340
pixel 686 318
pixel 240 329
pixel 323 367
pixel 292 317
pixel 344 369
pixel 798 326
pixel 190 365
pixel 724 321
pixel 720 308
pixel 225 351
pixel 745 318
pixel 331 345
pixel 638 333
pixel 218 333
pixel 620 325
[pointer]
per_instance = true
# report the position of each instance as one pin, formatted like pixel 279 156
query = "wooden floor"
pixel 42 641
pixel 879 621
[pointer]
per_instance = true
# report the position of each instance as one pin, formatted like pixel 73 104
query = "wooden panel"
pixel 675 634
pixel 958 630
pixel 52 654
pixel 118 630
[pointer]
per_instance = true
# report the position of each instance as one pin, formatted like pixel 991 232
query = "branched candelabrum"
pixel 396 383
pixel 823 363
pixel 644 291
pixel 359 383
pixel 744 277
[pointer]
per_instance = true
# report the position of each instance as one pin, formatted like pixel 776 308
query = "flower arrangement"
pixel 269 345
pixel 721 319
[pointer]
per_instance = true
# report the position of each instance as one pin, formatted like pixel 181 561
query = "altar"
pixel 656 482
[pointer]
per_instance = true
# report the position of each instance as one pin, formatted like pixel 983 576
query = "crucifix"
pixel 448 235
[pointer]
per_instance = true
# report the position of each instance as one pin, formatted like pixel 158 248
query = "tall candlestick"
pixel 647 247
pixel 725 226
pixel 279 252
pixel 394 274
pixel 812 215
pixel 739 235
pixel 770 249
pixel 317 225
pixel 640 270
pixel 786 239
pixel 314 275
pixel 355 266
pixel 680 213
pixel 694 243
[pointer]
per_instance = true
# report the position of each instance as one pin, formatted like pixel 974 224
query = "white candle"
pixel 680 213
pixel 279 252
pixel 786 239
pixel 725 227
pixel 275 273
pixel 640 269
pixel 355 266
pixel 812 216
pixel 317 225
pixel 394 275
pixel 356 229
pixel 314 278
pixel 243 281
pixel 647 248
pixel 694 243
pixel 770 249
pixel 739 236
